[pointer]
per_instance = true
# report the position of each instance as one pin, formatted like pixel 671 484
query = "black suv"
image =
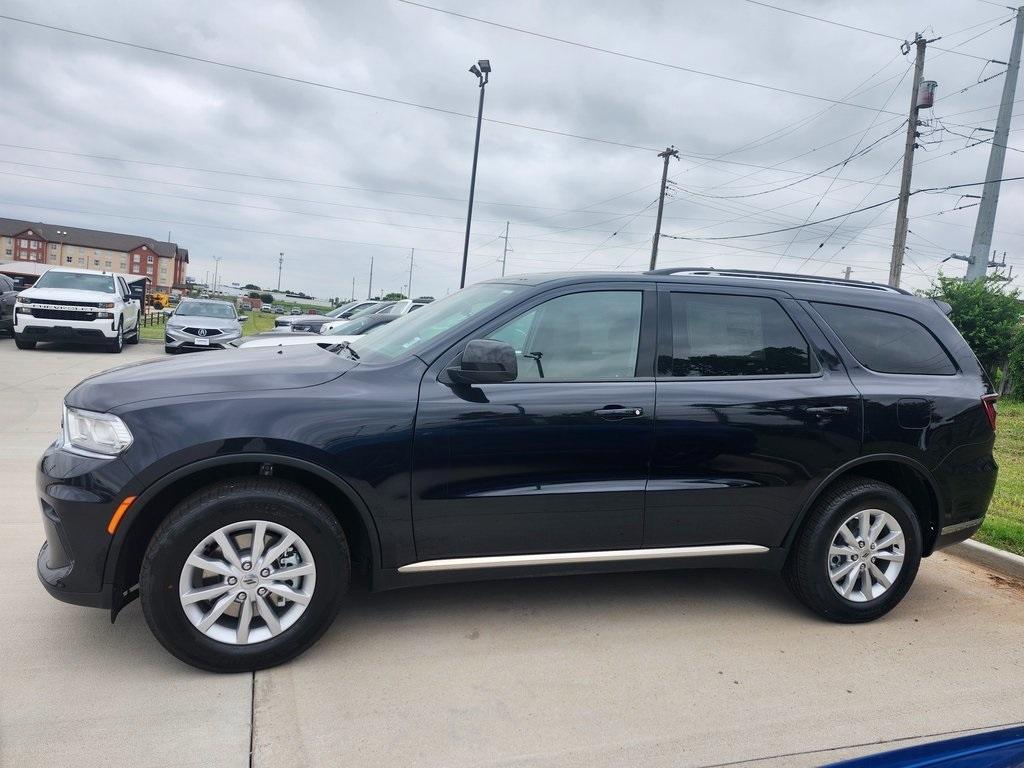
pixel 834 431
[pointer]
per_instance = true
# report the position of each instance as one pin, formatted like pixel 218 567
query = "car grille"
pixel 207 332
pixel 60 314
pixel 65 303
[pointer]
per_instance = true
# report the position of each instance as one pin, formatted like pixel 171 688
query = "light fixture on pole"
pixel 482 70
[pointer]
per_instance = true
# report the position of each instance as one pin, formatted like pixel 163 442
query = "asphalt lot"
pixel 666 669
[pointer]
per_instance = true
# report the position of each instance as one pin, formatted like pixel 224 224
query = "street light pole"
pixel 482 70
pixel 216 269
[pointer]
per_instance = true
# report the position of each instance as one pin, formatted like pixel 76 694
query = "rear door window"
pixel 724 335
pixel 886 342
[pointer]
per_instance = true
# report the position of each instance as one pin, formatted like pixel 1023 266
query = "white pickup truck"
pixel 78 306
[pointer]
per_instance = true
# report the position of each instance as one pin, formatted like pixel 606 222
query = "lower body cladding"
pixel 176 339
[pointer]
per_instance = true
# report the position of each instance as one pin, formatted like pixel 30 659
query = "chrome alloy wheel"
pixel 247 582
pixel 866 555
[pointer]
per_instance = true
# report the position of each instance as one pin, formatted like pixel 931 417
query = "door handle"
pixel 612 412
pixel 824 410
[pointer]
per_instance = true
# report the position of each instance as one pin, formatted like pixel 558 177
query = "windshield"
pixel 79 281
pixel 205 309
pixel 416 331
pixel 338 310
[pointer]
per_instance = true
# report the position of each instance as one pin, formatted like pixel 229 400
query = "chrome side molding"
pixel 568 558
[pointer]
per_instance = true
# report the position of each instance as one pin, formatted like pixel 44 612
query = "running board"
pixel 569 558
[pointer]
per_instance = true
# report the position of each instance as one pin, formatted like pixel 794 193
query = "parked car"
pixel 1003 748
pixel 295 311
pixel 247 306
pixel 8 294
pixel 79 306
pixel 349 331
pixel 313 321
pixel 267 309
pixel 364 309
pixel 202 324
pixel 836 431
pixel 278 309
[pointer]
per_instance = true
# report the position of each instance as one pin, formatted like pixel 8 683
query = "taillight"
pixel 989 401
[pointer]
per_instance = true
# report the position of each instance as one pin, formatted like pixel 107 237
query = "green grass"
pixel 258 322
pixel 1004 524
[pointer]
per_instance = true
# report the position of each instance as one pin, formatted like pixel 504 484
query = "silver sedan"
pixel 202 324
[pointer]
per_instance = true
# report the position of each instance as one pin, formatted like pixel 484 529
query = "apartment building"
pixel 164 263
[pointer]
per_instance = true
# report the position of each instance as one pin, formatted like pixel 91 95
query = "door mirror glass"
pixel 485 362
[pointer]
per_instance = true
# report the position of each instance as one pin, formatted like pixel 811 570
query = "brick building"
pixel 165 264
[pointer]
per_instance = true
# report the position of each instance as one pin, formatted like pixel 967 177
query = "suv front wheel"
pixel 244 575
pixel 857 553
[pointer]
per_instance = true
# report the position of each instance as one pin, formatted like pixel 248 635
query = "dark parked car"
pixel 832 430
pixel 8 294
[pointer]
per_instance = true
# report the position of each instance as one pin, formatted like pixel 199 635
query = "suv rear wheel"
pixel 857 553
pixel 244 575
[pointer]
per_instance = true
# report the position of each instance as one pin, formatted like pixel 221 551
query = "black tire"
pixel 203 513
pixel 117 344
pixel 807 570
pixel 171 350
pixel 23 344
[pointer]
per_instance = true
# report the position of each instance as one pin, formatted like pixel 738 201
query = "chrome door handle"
pixel 822 410
pixel 618 412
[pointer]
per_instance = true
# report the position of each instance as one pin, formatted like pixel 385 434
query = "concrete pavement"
pixel 685 668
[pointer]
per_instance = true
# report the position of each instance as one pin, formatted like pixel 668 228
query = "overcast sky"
pixel 243 166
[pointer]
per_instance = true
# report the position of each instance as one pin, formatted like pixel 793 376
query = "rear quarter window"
pixel 886 342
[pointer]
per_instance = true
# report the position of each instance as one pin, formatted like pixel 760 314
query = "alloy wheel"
pixel 866 555
pixel 247 582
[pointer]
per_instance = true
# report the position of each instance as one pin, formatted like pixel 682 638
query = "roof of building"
pixel 88 238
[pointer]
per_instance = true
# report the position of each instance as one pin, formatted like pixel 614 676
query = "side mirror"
pixel 243 318
pixel 485 362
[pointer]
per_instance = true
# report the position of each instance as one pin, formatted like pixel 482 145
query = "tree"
pixel 250 287
pixel 254 294
pixel 986 312
pixel 394 296
pixel 267 298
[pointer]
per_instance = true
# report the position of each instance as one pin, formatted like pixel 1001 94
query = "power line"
pixel 848 213
pixel 866 31
pixel 631 57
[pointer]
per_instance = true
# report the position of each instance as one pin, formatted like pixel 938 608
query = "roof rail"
pixel 782 276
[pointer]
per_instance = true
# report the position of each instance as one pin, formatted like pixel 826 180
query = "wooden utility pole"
pixel 412 255
pixel 899 241
pixel 670 152
pixel 369 288
pixel 504 255
pixel 846 273
pixel 977 267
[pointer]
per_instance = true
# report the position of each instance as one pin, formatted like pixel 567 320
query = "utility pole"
pixel 504 255
pixel 369 288
pixel 668 153
pixel 977 267
pixel 216 269
pixel 482 70
pixel 846 273
pixel 353 294
pixel 412 255
pixel 899 241
pixel 280 266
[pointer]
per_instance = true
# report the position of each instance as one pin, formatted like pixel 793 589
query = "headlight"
pixel 106 305
pixel 23 300
pixel 95 433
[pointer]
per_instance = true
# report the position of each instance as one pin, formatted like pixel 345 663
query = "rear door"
pixel 555 461
pixel 753 410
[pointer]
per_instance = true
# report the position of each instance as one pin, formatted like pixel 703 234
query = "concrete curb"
pixel 998 560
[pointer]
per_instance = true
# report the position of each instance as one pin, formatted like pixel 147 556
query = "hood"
pixel 289 340
pixel 198 321
pixel 57 295
pixel 236 370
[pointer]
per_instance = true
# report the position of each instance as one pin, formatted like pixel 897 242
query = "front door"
pixel 555 461
pixel 752 413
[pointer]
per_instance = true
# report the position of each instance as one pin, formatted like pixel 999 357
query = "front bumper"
pixel 80 331
pixel 77 497
pixel 175 338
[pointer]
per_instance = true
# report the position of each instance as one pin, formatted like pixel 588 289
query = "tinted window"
pixel 80 281
pixel 585 336
pixel 886 342
pixel 205 309
pixel 717 335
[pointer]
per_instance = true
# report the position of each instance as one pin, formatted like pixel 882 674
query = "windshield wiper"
pixel 347 346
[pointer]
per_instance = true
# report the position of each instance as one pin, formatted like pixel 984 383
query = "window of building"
pixel 108 263
pixel 887 342
pixel 9 251
pixel 95 262
pixel 719 335
pixel 81 260
pixel 53 246
pixel 582 336
pixel 67 259
pixel 136 258
pixel 149 258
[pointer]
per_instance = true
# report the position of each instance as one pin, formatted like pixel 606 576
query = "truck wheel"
pixel 118 343
pixel 23 344
pixel 857 553
pixel 244 574
pixel 134 338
